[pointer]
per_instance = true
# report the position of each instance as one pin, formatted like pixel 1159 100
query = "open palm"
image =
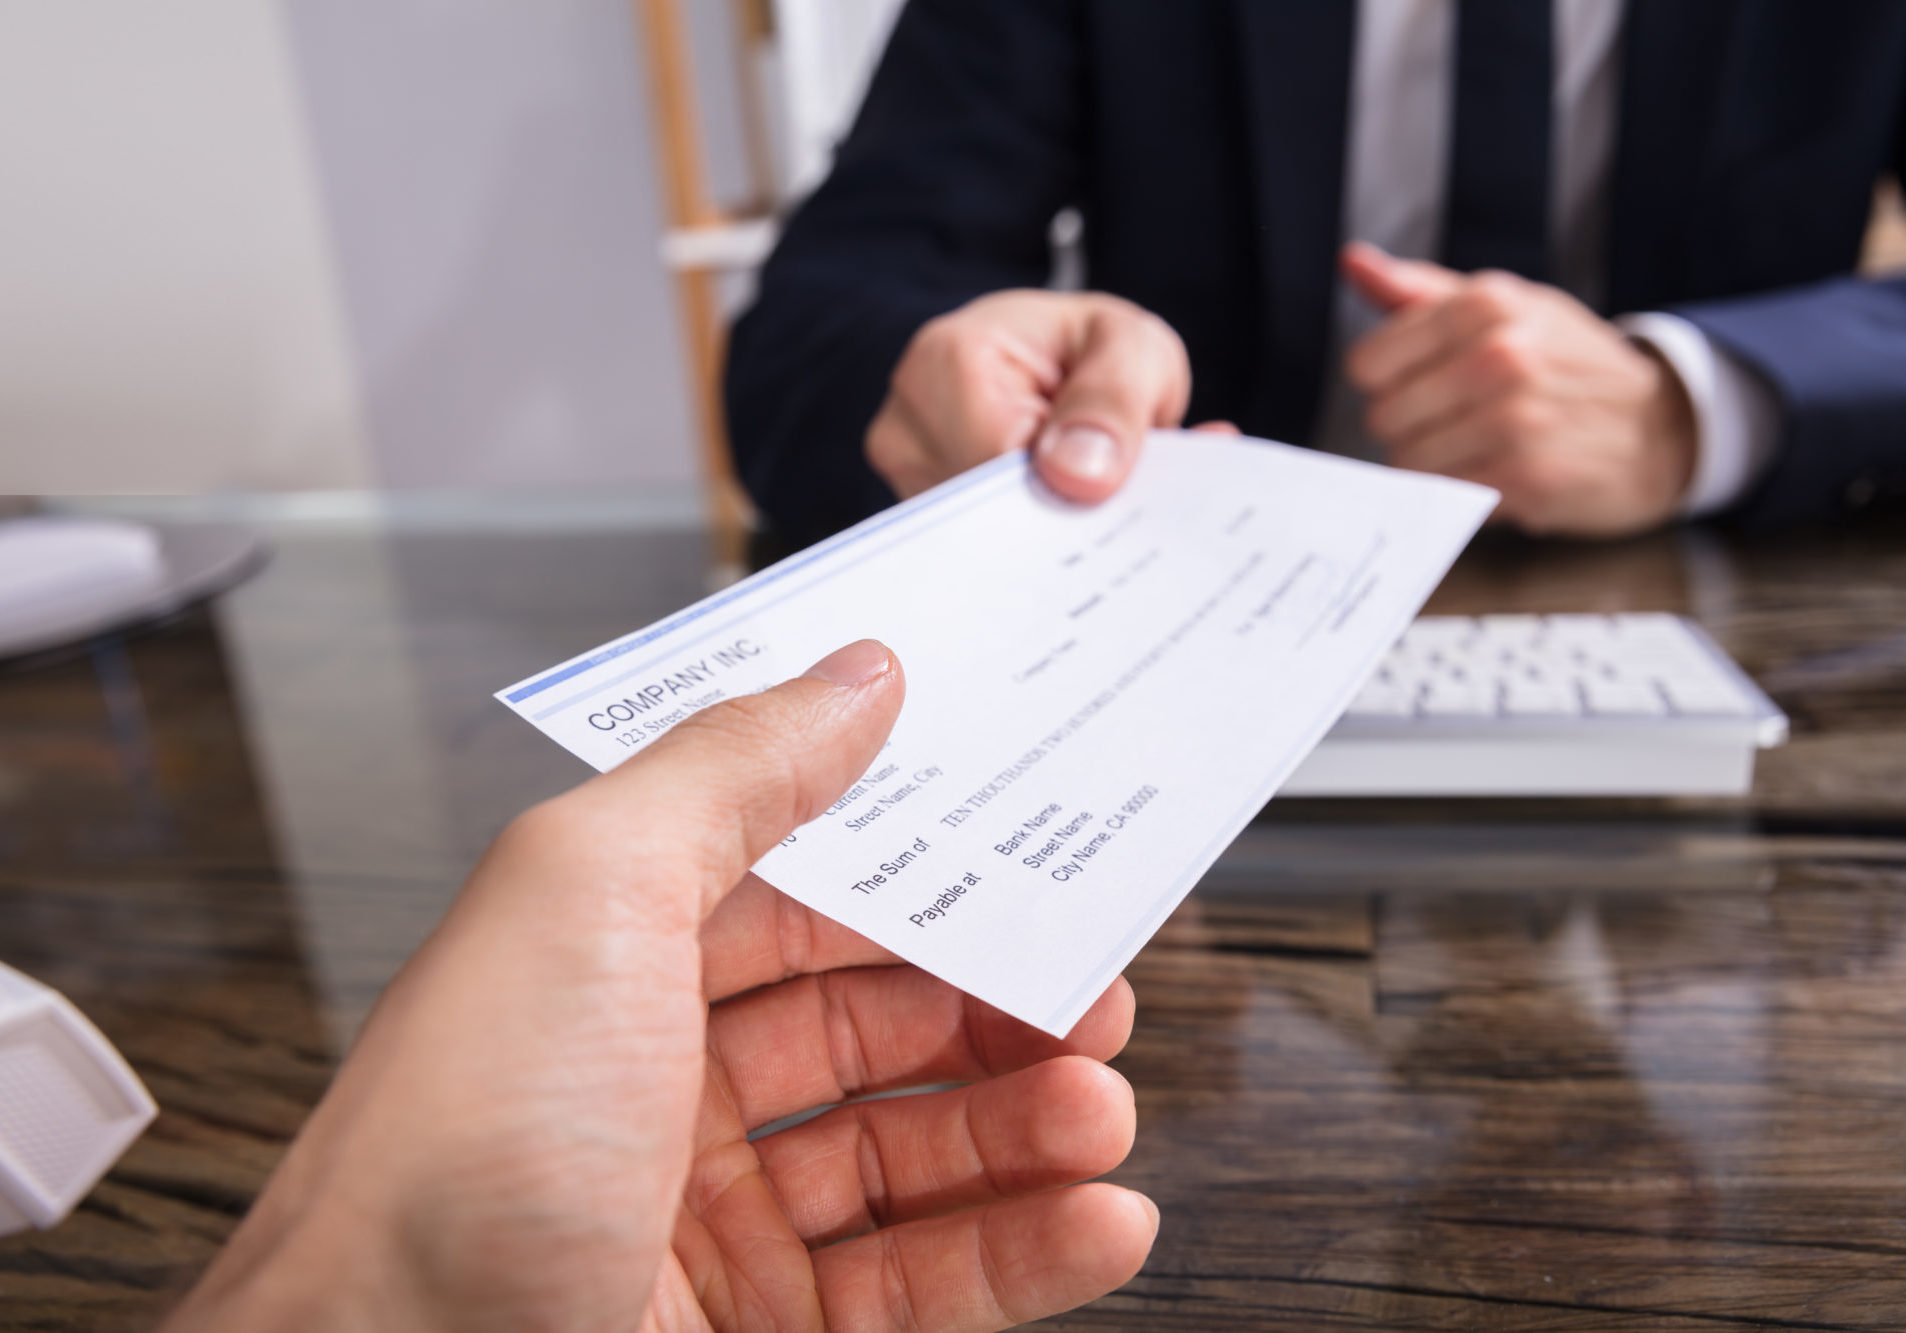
pixel 545 1123
pixel 940 1210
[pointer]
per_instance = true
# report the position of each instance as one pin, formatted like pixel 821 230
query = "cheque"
pixel 1098 699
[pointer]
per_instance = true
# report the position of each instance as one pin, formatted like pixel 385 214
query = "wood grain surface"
pixel 1535 1065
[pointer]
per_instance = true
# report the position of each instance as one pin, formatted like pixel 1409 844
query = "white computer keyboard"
pixel 1640 704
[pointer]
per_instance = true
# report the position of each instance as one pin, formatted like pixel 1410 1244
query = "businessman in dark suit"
pixel 1598 255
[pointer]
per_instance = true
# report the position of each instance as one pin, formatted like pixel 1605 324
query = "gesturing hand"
pixel 1521 387
pixel 1077 377
pixel 545 1122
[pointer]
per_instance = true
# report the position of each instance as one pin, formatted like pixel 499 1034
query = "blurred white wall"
pixel 169 316
pixel 487 169
pixel 331 244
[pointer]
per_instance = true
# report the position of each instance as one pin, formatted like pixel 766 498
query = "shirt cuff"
pixel 1736 416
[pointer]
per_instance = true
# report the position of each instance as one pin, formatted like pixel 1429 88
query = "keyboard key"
pixel 1621 697
pixel 1384 698
pixel 1512 632
pixel 1588 633
pixel 1462 661
pixel 1430 634
pixel 1459 698
pixel 1638 625
pixel 1540 698
pixel 1662 643
pixel 1705 696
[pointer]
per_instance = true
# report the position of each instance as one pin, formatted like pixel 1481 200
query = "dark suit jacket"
pixel 1203 141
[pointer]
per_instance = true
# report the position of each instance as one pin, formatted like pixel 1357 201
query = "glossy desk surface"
pixel 1496 1064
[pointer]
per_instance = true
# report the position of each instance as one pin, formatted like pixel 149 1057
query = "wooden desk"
pixel 1532 1065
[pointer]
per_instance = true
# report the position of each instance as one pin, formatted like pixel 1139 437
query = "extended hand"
pixel 545 1122
pixel 1521 387
pixel 1078 377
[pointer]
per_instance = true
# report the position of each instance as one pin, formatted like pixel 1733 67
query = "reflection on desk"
pixel 1522 1064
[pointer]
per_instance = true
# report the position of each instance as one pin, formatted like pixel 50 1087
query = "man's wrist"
pixel 1671 433
pixel 1737 419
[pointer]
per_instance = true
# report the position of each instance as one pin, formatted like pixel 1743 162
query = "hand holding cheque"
pixel 1487 377
pixel 1076 378
pixel 545 1122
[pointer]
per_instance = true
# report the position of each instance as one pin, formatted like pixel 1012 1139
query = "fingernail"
pixel 856 664
pixel 1151 1208
pixel 1085 452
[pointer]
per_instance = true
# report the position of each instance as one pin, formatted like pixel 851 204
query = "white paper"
pixel 1098 699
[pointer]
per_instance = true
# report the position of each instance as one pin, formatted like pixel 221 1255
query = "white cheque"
pixel 1098 699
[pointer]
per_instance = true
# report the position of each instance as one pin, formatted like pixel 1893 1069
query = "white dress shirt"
pixel 1394 184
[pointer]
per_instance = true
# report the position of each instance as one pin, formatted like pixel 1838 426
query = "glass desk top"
pixel 1399 1064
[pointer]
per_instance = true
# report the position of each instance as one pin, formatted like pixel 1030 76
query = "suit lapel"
pixel 1675 55
pixel 1295 58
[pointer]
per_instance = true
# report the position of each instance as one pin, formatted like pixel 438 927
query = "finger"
pixel 1389 283
pixel 897 450
pixel 972 385
pixel 1540 493
pixel 674 828
pixel 877 1163
pixel 1499 363
pixel 992 1267
pixel 820 1039
pixel 1490 472
pixel 1442 392
pixel 1502 515
pixel 1129 374
pixel 1461 445
pixel 1417 407
pixel 758 935
pixel 1218 428
pixel 915 445
pixel 1405 344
